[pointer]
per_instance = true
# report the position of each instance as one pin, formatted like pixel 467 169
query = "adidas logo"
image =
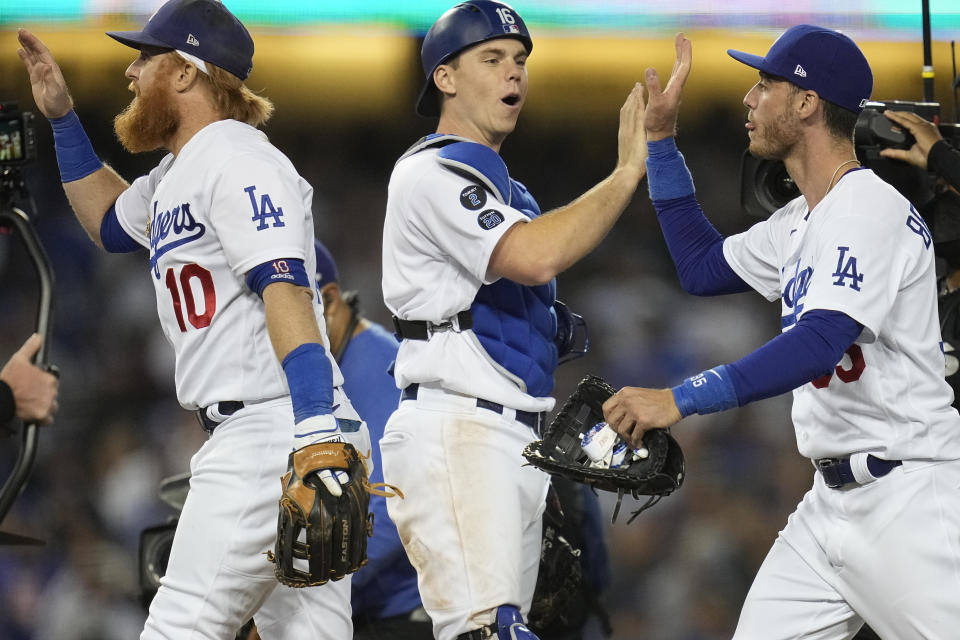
pixel 799 71
pixel 191 40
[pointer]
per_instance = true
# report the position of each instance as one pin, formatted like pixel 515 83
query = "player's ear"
pixel 444 79
pixel 185 74
pixel 808 103
pixel 330 295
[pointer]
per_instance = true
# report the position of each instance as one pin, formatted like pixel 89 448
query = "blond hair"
pixel 233 98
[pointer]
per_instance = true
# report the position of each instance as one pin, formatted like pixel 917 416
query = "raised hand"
pixel 632 137
pixel 660 119
pixel 49 88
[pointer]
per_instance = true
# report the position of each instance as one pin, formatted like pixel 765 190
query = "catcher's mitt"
pixel 557 604
pixel 655 470
pixel 326 535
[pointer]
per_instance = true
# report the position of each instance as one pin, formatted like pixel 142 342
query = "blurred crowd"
pixel 680 571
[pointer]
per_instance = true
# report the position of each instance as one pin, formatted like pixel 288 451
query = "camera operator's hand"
pixel 49 88
pixel 924 131
pixel 34 390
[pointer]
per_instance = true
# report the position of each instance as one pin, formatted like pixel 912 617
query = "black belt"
pixel 423 329
pixel 226 409
pixel 837 472
pixel 532 419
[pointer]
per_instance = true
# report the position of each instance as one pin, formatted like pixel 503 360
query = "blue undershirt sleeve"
pixel 812 348
pixel 695 245
pixel 112 235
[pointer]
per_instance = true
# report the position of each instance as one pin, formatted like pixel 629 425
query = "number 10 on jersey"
pixel 191 275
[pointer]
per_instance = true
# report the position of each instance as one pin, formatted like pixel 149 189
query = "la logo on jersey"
pixel 847 268
pixel 264 210
pixel 171 229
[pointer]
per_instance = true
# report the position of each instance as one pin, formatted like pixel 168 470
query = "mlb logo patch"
pixel 511 28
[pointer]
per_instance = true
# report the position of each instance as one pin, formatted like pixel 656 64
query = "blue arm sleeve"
pixel 112 235
pixel 695 245
pixel 806 352
pixel 810 349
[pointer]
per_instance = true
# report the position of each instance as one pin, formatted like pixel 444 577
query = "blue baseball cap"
pixel 203 28
pixel 818 59
pixel 326 265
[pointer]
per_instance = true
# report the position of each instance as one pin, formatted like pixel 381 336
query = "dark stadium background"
pixel 344 92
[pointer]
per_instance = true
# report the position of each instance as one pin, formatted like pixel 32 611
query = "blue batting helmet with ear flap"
pixel 463 26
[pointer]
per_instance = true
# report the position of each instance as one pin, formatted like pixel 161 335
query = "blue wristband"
pixel 667 173
pixel 706 392
pixel 310 378
pixel 75 154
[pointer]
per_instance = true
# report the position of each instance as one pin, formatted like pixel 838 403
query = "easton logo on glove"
pixel 655 470
pixel 322 537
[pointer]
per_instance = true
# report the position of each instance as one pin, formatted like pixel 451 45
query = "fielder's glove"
pixel 322 534
pixel 578 445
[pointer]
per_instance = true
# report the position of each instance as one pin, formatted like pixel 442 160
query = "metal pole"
pixel 28 449
pixel 927 73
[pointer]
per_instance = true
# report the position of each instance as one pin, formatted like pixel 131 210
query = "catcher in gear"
pixel 580 446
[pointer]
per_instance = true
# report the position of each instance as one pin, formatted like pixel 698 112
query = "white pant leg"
pixel 471 520
pixel 218 575
pixel 901 561
pixel 887 552
pixel 788 600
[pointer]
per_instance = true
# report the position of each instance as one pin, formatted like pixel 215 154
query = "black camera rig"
pixel 765 185
pixel 18 144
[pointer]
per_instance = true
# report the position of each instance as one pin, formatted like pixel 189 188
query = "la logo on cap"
pixel 800 71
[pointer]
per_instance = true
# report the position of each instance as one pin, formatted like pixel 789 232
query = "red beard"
pixel 149 121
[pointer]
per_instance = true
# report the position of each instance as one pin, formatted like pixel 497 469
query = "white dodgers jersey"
pixel 438 234
pixel 227 202
pixel 863 251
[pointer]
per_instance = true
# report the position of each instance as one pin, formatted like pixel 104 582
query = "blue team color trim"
pixel 482 162
pixel 113 237
pixel 706 392
pixel 810 349
pixel 310 378
pixel 75 154
pixel 667 173
pixel 696 248
pixel 289 270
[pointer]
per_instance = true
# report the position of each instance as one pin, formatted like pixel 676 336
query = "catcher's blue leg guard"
pixel 508 626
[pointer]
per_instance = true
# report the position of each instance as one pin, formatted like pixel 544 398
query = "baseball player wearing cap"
pixel 468 272
pixel 384 596
pixel 876 538
pixel 228 224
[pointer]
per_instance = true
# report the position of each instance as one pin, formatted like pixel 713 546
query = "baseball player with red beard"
pixel 229 228
pixel 851 261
